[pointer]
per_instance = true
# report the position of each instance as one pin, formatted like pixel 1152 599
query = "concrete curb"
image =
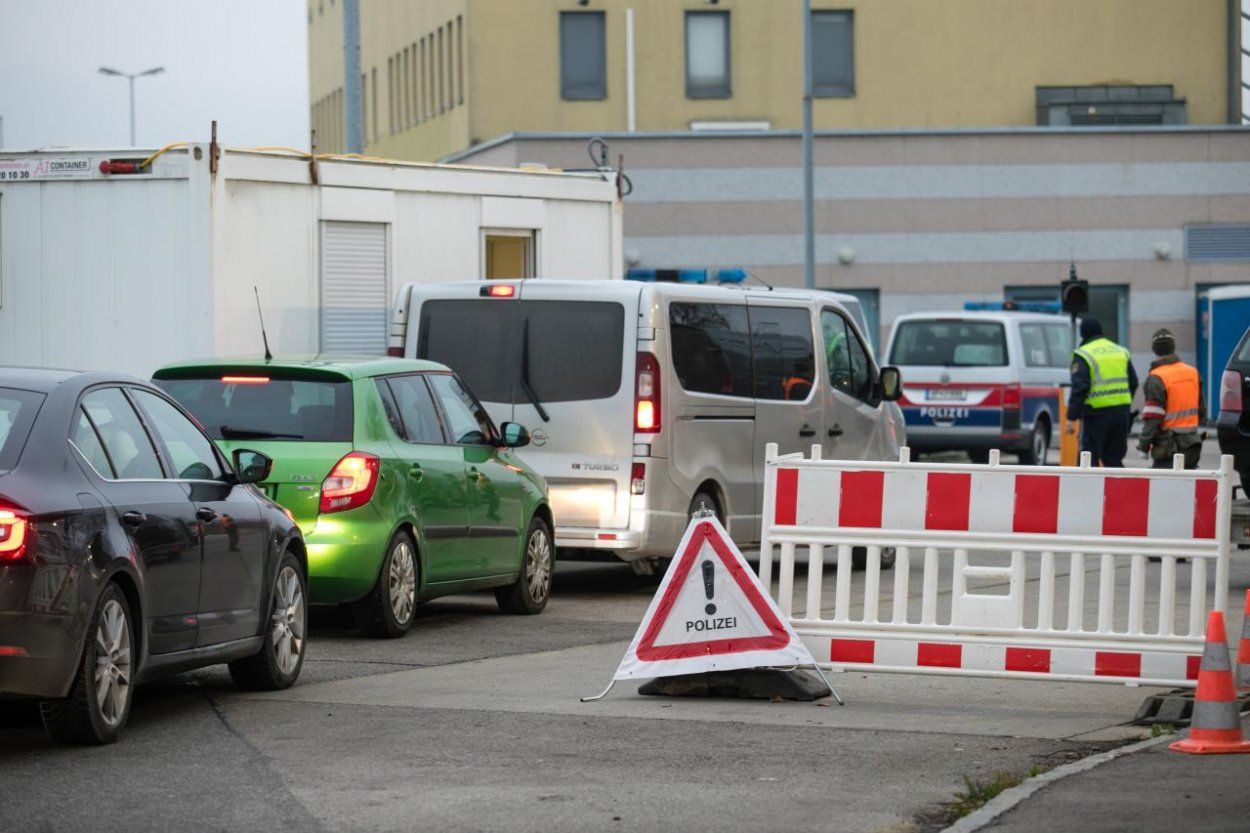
pixel 1008 799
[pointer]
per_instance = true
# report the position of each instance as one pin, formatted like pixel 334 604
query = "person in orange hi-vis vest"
pixel 1173 408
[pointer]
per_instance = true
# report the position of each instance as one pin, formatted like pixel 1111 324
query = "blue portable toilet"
pixel 1223 316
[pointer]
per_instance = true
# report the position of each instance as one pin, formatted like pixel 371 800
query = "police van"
pixel 982 379
pixel 648 399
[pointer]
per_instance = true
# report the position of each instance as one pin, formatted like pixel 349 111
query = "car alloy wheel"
pixel 401 581
pixel 538 565
pixel 288 620
pixel 112 663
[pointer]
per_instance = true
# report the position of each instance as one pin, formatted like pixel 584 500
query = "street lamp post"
pixel 131 76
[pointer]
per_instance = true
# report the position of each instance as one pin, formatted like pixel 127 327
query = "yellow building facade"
pixel 442 75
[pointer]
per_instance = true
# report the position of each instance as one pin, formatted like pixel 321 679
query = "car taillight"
pixel 350 483
pixel 1011 398
pixel 12 535
pixel 1230 391
pixel 498 290
pixel 647 395
pixel 638 479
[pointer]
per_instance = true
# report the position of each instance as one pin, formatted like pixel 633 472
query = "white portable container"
pixel 126 260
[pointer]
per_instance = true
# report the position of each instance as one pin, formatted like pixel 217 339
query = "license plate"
pixel 946 395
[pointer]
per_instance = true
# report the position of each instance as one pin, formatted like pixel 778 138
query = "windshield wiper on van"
pixel 228 433
pixel 525 372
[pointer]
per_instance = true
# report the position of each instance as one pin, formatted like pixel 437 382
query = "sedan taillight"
pixel 1230 391
pixel 350 484
pixel 12 535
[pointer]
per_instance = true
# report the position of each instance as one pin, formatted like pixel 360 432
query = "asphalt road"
pixel 473 723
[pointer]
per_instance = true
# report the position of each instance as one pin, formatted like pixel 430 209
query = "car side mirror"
pixel 515 435
pixel 251 466
pixel 890 383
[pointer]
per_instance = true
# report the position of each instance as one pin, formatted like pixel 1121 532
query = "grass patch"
pixel 1160 729
pixel 979 793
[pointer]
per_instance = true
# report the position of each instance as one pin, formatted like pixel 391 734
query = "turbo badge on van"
pixel 647 401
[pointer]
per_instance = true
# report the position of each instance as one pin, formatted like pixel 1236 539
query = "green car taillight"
pixel 350 483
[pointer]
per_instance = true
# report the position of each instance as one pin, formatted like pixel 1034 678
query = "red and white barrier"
pixel 1020 548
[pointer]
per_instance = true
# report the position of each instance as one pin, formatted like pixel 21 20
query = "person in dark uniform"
pixel 1103 384
pixel 1173 408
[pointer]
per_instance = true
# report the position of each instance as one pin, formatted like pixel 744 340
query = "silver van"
pixel 649 400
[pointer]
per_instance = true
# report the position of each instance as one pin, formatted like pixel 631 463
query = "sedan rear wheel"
pixel 529 593
pixel 278 663
pixel 99 701
pixel 389 609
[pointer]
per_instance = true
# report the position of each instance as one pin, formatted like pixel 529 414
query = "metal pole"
pixel 630 112
pixel 809 234
pixel 353 97
pixel 131 79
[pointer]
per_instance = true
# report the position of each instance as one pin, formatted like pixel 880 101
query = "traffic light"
pixel 1074 293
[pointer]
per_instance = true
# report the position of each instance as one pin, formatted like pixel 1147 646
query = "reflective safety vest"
pixel 1108 373
pixel 1182 385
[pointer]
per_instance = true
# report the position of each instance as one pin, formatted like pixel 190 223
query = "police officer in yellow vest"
pixel 1103 384
pixel 1173 406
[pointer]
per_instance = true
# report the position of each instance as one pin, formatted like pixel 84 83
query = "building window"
pixel 460 57
pixel 373 110
pixel 707 55
pixel 583 61
pixel 442 97
pixel 833 54
pixel 508 254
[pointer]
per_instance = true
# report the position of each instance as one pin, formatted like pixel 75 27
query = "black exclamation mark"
pixel 709 585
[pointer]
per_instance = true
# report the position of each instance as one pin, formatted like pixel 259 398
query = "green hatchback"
pixel 403 487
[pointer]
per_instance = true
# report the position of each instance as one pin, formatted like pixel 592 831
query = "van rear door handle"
pixel 836 430
pixel 134 519
pixel 415 472
pixel 807 431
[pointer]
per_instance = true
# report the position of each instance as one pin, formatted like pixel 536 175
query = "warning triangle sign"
pixel 710 613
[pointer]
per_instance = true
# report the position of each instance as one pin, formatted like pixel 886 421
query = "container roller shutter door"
pixel 354 302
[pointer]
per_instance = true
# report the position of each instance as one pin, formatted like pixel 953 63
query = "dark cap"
pixel 1162 342
pixel 1090 328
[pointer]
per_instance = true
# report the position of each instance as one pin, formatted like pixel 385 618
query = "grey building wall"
pixel 932 219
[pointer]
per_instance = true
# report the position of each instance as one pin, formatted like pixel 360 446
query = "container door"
pixel 354 295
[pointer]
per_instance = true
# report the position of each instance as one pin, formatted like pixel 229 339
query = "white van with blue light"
pixel 651 398
pixel 988 377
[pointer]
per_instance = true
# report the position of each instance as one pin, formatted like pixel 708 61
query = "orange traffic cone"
pixel 1243 649
pixel 1216 726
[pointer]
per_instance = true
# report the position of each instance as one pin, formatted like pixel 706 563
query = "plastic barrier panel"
pixel 1023 571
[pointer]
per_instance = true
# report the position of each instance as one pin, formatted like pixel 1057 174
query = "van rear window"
pixel 566 351
pixel 950 344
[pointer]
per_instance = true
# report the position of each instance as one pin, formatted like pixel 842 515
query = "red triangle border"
pixel 778 636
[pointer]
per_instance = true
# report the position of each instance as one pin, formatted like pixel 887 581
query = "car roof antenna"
pixel 264 338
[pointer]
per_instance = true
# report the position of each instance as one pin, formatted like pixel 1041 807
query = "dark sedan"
pixel 131 548
pixel 1232 426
